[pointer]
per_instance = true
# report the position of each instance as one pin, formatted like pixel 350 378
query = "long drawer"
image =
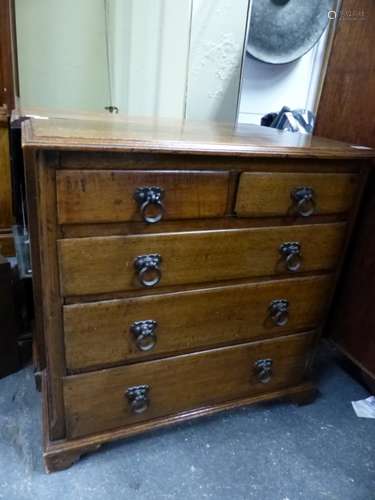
pixel 111 264
pixel 111 398
pixel 85 196
pixel 101 333
pixel 275 193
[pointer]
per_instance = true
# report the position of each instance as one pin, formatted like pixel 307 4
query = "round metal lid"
pixel 282 31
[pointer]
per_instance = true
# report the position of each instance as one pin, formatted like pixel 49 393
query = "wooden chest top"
pixel 103 133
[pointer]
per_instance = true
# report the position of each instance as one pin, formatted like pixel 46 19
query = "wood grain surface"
pixel 5 182
pixel 105 265
pixel 7 245
pixel 172 226
pixel 128 134
pixel 8 56
pixel 114 160
pixel 105 196
pixel 51 300
pixel 349 96
pixel 99 333
pixel 352 321
pixel 59 455
pixel 97 401
pixel 347 106
pixel 269 194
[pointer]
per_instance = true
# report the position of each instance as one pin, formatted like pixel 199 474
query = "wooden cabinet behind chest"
pixel 6 240
pixel 170 286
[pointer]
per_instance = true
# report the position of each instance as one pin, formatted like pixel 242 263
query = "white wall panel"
pixel 217 38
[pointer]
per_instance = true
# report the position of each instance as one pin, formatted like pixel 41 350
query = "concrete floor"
pixel 274 451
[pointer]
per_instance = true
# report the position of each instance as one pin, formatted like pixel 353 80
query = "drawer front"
pixel 90 196
pixel 112 264
pixel 122 330
pixel 101 400
pixel 272 194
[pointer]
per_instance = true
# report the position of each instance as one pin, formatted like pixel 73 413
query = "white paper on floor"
pixel 365 408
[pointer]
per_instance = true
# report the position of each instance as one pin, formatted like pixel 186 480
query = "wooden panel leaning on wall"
pixel 347 105
pixel 8 91
pixel 6 238
pixel 8 56
pixel 347 113
pixel 228 297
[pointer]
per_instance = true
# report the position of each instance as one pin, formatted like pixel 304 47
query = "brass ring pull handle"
pixel 150 198
pixel 304 200
pixel 138 398
pixel 263 370
pixel 148 264
pixel 144 333
pixel 279 312
pixel 291 251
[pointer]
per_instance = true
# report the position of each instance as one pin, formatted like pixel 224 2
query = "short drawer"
pixel 93 196
pixel 116 397
pixel 305 194
pixel 103 333
pixel 112 264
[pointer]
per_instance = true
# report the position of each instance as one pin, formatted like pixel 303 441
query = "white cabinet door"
pixel 61 54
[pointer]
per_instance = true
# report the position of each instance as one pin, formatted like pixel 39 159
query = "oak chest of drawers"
pixel 179 269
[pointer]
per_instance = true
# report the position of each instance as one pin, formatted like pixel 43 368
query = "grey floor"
pixel 271 451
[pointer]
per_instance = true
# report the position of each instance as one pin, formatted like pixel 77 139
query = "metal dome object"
pixel 282 31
